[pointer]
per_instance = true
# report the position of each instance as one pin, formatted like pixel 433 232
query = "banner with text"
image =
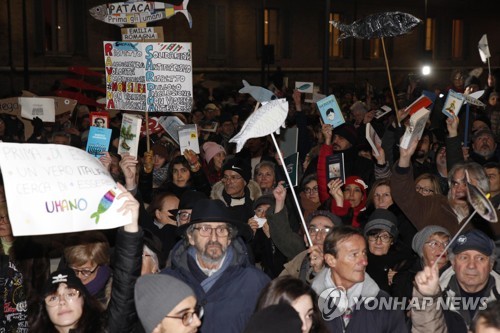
pixel 54 189
pixel 149 77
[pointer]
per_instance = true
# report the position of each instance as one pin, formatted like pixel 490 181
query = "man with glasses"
pixel 237 190
pixel 188 200
pixel 165 304
pixel 214 262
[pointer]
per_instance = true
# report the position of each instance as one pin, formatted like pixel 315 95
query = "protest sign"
pixel 149 77
pixel 40 107
pixel 65 188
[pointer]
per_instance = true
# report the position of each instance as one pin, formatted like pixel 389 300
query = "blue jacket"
pixel 231 301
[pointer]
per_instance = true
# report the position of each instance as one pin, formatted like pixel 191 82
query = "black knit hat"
pixel 239 165
pixel 348 132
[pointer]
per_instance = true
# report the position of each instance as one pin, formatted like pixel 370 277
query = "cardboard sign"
pixel 54 189
pixel 40 107
pixel 145 34
pixel 149 77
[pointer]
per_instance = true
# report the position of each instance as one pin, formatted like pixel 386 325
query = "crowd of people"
pixel 217 242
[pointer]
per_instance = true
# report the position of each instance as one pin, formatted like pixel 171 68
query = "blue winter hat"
pixel 473 240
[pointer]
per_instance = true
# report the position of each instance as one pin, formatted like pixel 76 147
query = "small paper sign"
pixel 54 189
pixel 43 108
pixel 305 87
pixel 188 138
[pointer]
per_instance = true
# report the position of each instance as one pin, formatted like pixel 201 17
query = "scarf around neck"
pixel 98 284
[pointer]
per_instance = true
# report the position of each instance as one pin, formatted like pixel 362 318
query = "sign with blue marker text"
pixel 53 189
pixel 149 77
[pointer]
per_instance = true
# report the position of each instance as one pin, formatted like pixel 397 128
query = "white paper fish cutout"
pixel 258 93
pixel 484 50
pixel 473 98
pixel 265 120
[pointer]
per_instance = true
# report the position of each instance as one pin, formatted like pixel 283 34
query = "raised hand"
pixel 129 206
pixel 427 281
pixel 316 258
pixel 128 164
pixel 327 131
pixel 106 160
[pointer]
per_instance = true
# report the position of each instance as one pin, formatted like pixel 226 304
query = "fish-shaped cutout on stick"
pixel 265 120
pixel 258 93
pixel 472 99
pixel 136 12
pixel 104 204
pixel 387 24
pixel 480 202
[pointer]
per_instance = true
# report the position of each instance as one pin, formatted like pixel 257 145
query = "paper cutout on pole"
pixel 137 12
pixel 387 24
pixel 480 202
pixel 63 187
pixel 258 93
pixel 265 120
pixel 473 99
pixel 484 49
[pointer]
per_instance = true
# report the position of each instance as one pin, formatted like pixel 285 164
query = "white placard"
pixel 43 108
pixel 149 77
pixel 54 189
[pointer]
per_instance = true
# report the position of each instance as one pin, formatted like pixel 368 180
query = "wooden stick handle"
pixel 390 82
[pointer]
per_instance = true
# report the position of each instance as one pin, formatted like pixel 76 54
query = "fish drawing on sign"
pixel 258 93
pixel 265 120
pixel 387 24
pixel 104 204
pixel 135 12
pixel 126 46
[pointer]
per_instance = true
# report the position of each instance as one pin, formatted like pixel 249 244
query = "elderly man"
pixel 484 147
pixel 236 189
pixel 467 286
pixel 214 263
pixel 344 283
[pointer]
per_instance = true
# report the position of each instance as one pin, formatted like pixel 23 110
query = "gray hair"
pixel 268 164
pixel 474 170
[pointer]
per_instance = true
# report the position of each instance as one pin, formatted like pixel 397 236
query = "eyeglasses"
pixel 423 190
pixel 84 272
pixel 309 190
pixel 183 216
pixel 206 231
pixel 69 295
pixel 433 244
pixel 187 318
pixel 321 231
pixel 384 238
pixel 231 178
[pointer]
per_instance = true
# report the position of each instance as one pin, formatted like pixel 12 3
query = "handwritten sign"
pixel 57 189
pixel 145 34
pixel 149 77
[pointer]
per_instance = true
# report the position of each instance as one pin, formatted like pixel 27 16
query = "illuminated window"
pixel 61 27
pixel 457 39
pixel 372 49
pixel 272 29
pixel 336 48
pixel 430 34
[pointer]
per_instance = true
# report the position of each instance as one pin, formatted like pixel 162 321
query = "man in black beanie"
pixel 237 190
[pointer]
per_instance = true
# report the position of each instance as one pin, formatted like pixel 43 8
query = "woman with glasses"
pixel 88 255
pixel 386 257
pixel 66 305
pixel 309 197
pixel 428 244
pixel 427 184
pixel 166 305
